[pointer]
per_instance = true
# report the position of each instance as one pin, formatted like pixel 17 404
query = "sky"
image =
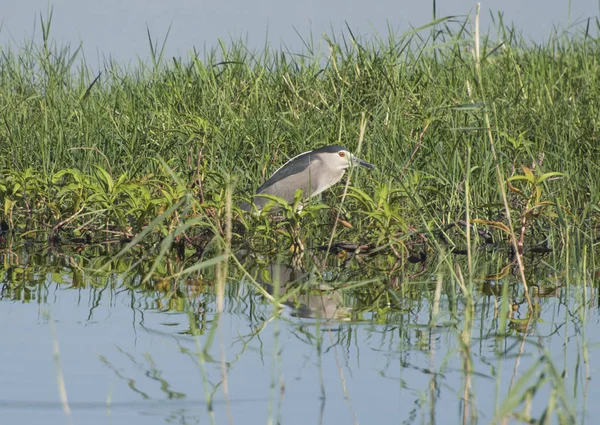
pixel 119 29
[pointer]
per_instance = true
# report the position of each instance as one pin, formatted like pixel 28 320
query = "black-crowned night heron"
pixel 313 172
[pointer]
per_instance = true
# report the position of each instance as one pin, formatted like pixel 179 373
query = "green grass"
pixel 113 150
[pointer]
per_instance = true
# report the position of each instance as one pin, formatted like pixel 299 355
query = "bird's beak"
pixel 358 161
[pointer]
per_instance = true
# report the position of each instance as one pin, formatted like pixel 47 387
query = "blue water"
pixel 127 357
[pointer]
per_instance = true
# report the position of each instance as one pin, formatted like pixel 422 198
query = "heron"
pixel 313 171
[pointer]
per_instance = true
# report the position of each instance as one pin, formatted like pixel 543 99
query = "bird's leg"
pixel 294 225
pixel 297 245
pixel 297 260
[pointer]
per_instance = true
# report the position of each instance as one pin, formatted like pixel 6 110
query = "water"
pixel 130 353
pixel 118 30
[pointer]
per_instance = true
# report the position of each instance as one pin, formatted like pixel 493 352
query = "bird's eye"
pixel 342 154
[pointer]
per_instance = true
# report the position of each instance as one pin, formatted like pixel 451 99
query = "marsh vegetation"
pixel 479 226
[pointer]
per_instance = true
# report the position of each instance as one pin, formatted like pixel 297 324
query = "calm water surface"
pixel 129 356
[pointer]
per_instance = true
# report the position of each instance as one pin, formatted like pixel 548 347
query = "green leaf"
pixel 528 173
pixel 76 174
pixel 549 175
pixel 516 395
pixel 8 204
pixel 207 263
pixel 276 200
pixel 105 178
pixel 519 177
pixel 121 179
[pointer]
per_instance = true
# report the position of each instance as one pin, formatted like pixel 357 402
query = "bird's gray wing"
pixel 293 166
pixel 296 174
